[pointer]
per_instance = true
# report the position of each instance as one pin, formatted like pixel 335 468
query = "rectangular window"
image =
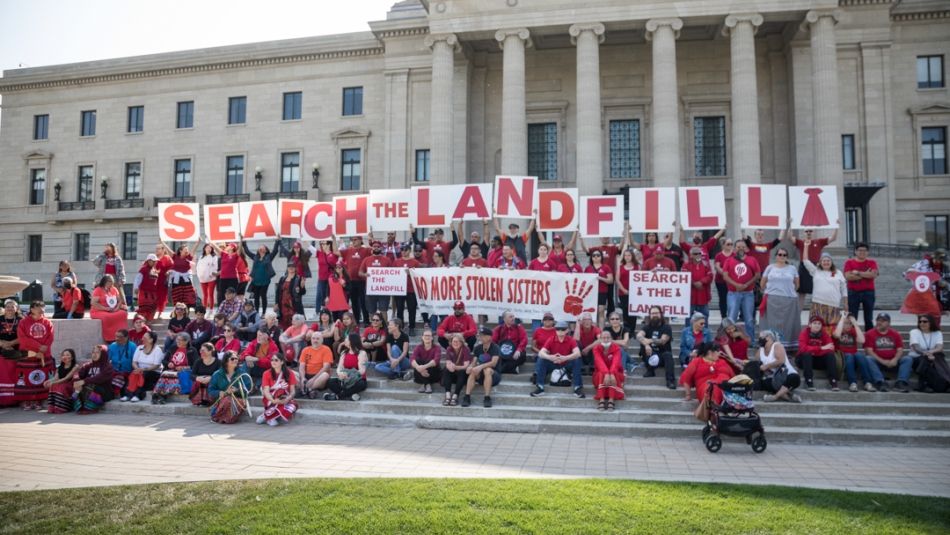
pixel 235 179
pixel 186 115
pixel 35 247
pixel 936 231
pixel 709 136
pixel 422 165
pixel 350 173
pixel 929 71
pixel 847 151
pixel 130 245
pixel 136 122
pixel 88 123
pixel 237 110
pixel 133 180
pixel 289 172
pixel 352 101
pixel 542 151
pixel 81 246
pixel 934 150
pixel 85 184
pixel 40 127
pixel 182 178
pixel 37 186
pixel 625 148
pixel 292 104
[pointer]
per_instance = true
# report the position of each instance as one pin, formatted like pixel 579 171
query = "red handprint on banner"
pixel 574 302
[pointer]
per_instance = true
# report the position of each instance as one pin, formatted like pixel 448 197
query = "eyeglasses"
pixel 919 321
pixel 614 319
pixel 727 243
pixel 782 254
pixel 548 319
pixel 233 359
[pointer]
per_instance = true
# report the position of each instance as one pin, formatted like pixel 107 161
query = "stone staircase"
pixel 651 410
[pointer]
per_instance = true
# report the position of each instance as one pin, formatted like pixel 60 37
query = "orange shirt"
pixel 313 358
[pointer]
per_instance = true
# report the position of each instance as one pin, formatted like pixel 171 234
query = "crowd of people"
pixel 233 342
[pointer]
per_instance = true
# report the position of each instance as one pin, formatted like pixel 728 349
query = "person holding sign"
pixel 605 281
pixel 740 273
pixel 718 268
pixel 557 247
pixel 705 247
pixel 701 275
pixel 570 264
pixel 560 352
pixel 759 249
pixel 288 296
pixel 376 304
pixel 484 368
pixel 262 272
pixel 516 241
pixel 474 259
pixel 356 287
pixel 655 348
pixel 475 241
pixel 403 302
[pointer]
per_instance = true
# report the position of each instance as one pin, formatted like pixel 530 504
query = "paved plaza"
pixel 44 451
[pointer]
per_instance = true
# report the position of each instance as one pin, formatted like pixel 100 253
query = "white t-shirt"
pixel 827 289
pixel 141 359
pixel 207 265
pixel 770 358
pixel 926 342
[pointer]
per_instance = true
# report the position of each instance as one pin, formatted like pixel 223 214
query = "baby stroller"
pixel 734 417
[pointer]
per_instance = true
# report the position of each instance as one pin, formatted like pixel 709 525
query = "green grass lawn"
pixel 424 506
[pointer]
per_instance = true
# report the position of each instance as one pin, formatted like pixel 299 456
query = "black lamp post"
pixel 104 185
pixel 316 175
pixel 258 177
pixel 57 188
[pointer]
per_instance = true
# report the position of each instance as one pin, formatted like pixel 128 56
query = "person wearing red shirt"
pixel 561 351
pixel 608 377
pixel 35 333
pixel 816 345
pixel 718 263
pixel 543 262
pixel 227 270
pixel 626 263
pixel 508 259
pixel 474 258
pixel 586 333
pixel 860 273
pixel 570 264
pixel 72 305
pixel 740 273
pixel 849 339
pixel 885 349
pixel 701 276
pixel 815 247
pixel 376 303
pixel 541 335
pixel 735 345
pixel 326 258
pixel 409 300
pixel 458 322
pixel 697 241
pixel 258 354
pixel 659 262
pixel 708 368
pixel 761 250
pixel 609 252
pixel 374 339
pixel 164 265
pixel 509 330
pixel 605 281
pixel 356 287
pixel 558 250
pixel 436 243
pixel 649 247
pixel 494 251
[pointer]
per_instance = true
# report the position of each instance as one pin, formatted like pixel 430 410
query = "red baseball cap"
pixel 459 304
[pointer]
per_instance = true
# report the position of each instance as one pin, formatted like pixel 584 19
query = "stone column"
pixel 441 143
pixel 514 123
pixel 590 169
pixel 665 109
pixel 827 125
pixel 746 166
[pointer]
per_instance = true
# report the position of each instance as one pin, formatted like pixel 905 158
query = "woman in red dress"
pixel 709 368
pixel 148 282
pixel 164 265
pixel 108 308
pixel 337 300
pixel 608 372
pixel 278 387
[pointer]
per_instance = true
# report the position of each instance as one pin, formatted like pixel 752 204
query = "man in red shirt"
pixel 376 303
pixel 815 344
pixel 702 278
pixel 860 273
pixel 815 246
pixel 356 287
pixel 409 300
pixel 659 262
pixel 458 322
pixel 740 272
pixel 559 352
pixel 513 333
pixel 885 348
pixel 544 333
pixel 697 241
pixel 586 333
pixel 508 259
pixel 474 258
pixel 761 250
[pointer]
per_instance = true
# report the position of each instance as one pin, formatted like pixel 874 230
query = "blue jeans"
pixel 863 298
pixel 742 302
pixel 904 367
pixel 543 367
pixel 857 362
pixel 434 322
pixel 387 370
pixel 323 291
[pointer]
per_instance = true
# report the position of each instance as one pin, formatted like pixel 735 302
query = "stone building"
pixel 601 95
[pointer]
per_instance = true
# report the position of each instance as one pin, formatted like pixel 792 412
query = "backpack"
pixel 559 377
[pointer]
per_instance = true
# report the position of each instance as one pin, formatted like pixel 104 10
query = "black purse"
pixel 779 377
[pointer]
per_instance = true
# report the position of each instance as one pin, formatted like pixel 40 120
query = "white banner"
pixel 385 281
pixel 389 209
pixel 702 208
pixel 529 294
pixel 813 206
pixel 670 290
pixel 652 209
pixel 763 206
pixel 601 215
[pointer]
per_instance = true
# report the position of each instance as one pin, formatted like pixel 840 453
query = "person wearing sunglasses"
pixel 719 261
pixel 228 388
pixel 779 284
pixel 926 347
pixel 701 277
pixel 374 339
pixel 697 333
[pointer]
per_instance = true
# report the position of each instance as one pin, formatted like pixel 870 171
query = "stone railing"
pixel 68 206
pixel 112 204
pixel 190 198
pixel 227 199
pixel 274 195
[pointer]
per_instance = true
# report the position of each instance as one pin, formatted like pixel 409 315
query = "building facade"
pixel 601 96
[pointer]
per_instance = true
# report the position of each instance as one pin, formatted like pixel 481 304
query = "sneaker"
pixel 355 397
pixel 671 385
pixel 533 379
pixel 853 387
pixel 834 386
pixel 579 392
pixel 487 402
pixel 124 398
pixel 466 400
pixel 272 423
pixel 881 386
pixel 154 400
pixel 517 370
pixel 649 373
pixel 538 392
pixel 868 387
pixel 902 386
pixel 407 376
pixel 161 401
pixel 134 399
pixel 810 385
pixel 768 398
pixel 330 396
pixel 796 398
pixel 260 419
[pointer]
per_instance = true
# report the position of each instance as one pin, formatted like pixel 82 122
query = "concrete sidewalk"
pixel 44 451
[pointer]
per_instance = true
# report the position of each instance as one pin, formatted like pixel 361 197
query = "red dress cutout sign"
pixel 814 215
pixel 921 299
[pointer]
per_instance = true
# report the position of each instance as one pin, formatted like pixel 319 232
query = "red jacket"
pixel 464 324
pixel 33 333
pixel 700 272
pixel 809 344
pixel 251 351
pixel 515 333
pixel 615 366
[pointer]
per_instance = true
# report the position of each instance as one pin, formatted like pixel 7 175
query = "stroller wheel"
pixel 713 443
pixel 706 430
pixel 759 443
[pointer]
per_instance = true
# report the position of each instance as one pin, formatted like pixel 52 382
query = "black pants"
pixel 666 360
pixel 761 382
pixel 723 291
pixel 866 299
pixel 357 293
pixel 509 365
pixel 610 298
pixel 407 301
pixel 929 374
pixel 469 341
pixel 336 386
pixel 61 315
pixel 435 376
pixel 807 362
pixel 260 297
pixel 629 321
pixel 223 285
pixel 454 381
pixel 151 377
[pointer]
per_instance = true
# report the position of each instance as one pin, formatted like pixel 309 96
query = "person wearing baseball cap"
pixel 513 239
pixel 376 304
pixel 475 241
pixel 541 335
pixel 559 352
pixel 885 348
pixel 458 322
pixel 484 370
